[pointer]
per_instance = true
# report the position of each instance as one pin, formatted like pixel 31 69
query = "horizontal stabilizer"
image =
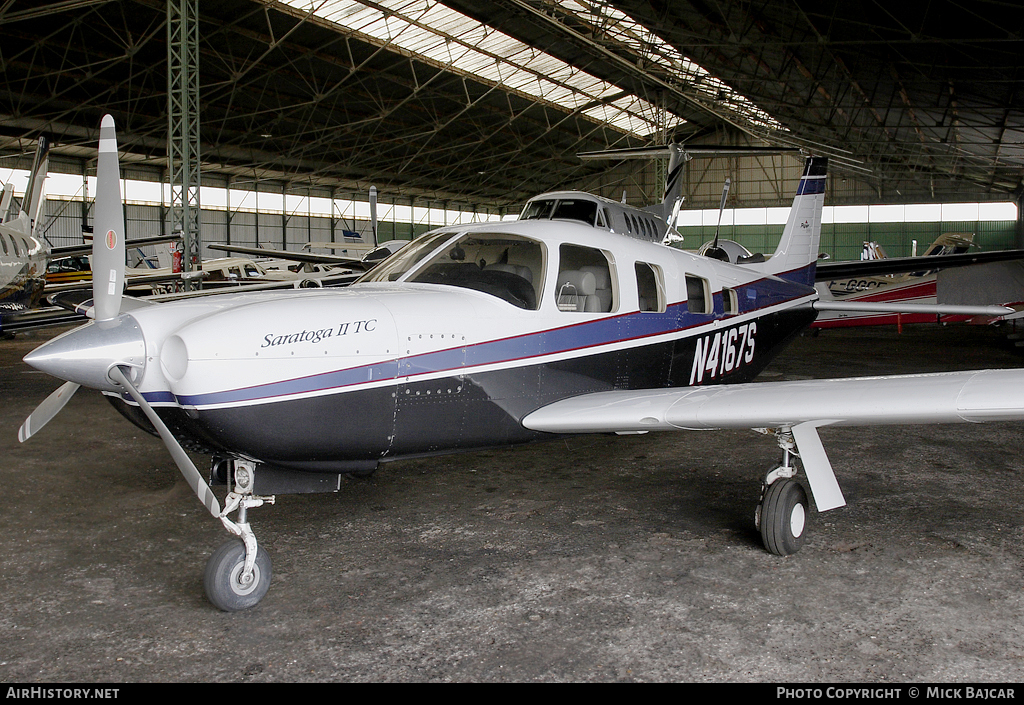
pixel 896 265
pixel 660 152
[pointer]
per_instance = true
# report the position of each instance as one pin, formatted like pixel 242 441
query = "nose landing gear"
pixel 238 573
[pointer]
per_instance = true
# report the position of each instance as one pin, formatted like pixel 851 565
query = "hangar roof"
pixel 489 101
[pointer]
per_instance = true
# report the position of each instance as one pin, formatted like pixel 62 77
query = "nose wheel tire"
pixel 784 517
pixel 226 586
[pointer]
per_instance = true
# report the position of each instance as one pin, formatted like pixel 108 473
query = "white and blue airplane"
pixel 480 336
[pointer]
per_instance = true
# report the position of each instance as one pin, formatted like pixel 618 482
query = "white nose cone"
pixel 84 355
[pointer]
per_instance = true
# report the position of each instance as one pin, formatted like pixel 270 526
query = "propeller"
pixel 50 407
pixel 108 257
pixel 373 214
pixel 108 254
pixel 716 252
pixel 181 459
pixel 107 353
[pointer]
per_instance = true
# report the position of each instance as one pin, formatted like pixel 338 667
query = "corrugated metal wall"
pixel 64 227
pixel 842 241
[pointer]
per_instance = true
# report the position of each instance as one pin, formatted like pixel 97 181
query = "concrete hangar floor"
pixel 597 559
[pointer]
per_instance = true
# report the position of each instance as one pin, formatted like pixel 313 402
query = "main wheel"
pixel 223 577
pixel 784 517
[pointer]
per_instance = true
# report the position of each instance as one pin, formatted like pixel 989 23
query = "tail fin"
pixel 5 202
pixel 673 197
pixel 34 194
pixel 667 210
pixel 796 256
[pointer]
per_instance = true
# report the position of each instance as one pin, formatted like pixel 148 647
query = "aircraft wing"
pixel 71 250
pixel 350 262
pixel 827 271
pixel 948 397
pixel 80 300
pixel 798 407
pixel 37 318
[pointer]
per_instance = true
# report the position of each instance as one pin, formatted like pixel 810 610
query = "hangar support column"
pixel 183 128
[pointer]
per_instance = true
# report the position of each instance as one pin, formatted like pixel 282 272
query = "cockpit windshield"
pixel 537 210
pixel 581 209
pixel 507 266
pixel 407 258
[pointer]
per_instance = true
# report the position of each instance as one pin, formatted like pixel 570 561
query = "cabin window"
pixel 581 209
pixel 586 281
pixel 730 302
pixel 4 243
pixel 649 287
pixel 575 209
pixel 602 219
pixel 508 267
pixel 537 210
pixel 697 294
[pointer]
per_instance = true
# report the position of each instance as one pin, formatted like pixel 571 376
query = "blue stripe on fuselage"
pixel 607 330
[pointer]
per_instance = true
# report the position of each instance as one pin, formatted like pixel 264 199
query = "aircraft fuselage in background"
pixel 22 267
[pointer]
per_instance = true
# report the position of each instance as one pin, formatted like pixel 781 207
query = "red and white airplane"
pixel 480 336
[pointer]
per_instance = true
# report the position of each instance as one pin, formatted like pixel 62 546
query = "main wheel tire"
pixel 222 577
pixel 784 517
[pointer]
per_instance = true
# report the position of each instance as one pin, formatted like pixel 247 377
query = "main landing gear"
pixel 782 512
pixel 238 573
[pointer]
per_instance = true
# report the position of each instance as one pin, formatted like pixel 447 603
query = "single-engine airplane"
pixel 480 336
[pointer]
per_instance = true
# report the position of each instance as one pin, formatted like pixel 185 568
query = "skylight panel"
pixel 625 30
pixel 437 33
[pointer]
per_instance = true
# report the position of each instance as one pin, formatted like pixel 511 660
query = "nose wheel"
pixel 238 573
pixel 228 585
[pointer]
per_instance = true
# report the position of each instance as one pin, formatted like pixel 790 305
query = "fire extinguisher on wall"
pixel 176 258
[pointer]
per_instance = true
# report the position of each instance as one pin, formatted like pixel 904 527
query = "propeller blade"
pixel 373 214
pixel 108 255
pixel 721 209
pixel 181 459
pixel 50 407
pixel 716 252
